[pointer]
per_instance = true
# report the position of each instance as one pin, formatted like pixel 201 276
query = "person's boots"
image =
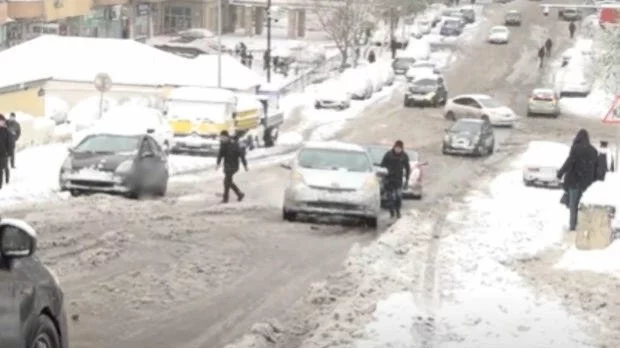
pixel 398 214
pixel 240 196
pixel 392 213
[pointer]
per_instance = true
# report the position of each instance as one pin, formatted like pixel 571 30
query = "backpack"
pixel 600 167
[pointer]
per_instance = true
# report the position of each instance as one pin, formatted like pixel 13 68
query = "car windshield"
pixel 425 83
pixel 108 143
pixel 377 152
pixel 403 62
pixel 489 103
pixel 513 15
pixel 328 159
pixel 466 127
pixel 498 30
pixel 451 24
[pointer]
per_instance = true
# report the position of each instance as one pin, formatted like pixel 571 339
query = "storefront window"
pixel 3 41
pixel 177 18
pixel 141 23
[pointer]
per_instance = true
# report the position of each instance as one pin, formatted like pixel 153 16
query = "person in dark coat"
pixel 250 58
pixel 371 57
pixel 541 56
pixel 16 131
pixel 548 45
pixel 579 173
pixel 396 161
pixel 6 149
pixel 393 47
pixel 571 29
pixel 231 152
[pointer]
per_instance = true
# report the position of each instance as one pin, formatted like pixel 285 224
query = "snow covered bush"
pixel 608 61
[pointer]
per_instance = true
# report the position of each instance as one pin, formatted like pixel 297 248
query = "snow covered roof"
pixel 234 74
pixel 197 94
pixel 126 61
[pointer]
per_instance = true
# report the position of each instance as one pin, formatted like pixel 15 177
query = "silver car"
pixel 333 178
pixel 543 101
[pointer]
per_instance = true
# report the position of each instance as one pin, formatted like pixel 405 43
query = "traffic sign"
pixel 103 82
pixel 613 115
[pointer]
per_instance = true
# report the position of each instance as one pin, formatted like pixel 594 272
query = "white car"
pixel 86 112
pixel 372 72
pixel 541 162
pixel 132 119
pixel 573 82
pixel 359 85
pixel 333 178
pixel 422 68
pixel 479 106
pixel 499 35
pixel 332 95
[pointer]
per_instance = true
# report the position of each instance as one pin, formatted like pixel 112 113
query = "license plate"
pixel 93 175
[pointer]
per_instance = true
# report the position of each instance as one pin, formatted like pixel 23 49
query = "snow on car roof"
pixel 543 91
pixel 499 28
pixel 198 94
pixel 545 153
pixel 474 96
pixel 333 145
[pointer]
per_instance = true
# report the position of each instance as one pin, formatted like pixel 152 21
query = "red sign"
pixel 609 15
pixel 613 115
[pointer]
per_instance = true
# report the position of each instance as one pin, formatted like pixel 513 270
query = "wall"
pixel 25 9
pixel 70 8
pixel 73 92
pixel 25 100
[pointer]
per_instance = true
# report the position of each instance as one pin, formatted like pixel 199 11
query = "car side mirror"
pixel 150 131
pixel 286 166
pixel 17 238
pixel 380 171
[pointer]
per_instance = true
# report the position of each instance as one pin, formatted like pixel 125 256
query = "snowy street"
pixel 480 261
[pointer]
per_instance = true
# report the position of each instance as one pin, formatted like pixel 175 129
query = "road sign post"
pixel 613 117
pixel 103 83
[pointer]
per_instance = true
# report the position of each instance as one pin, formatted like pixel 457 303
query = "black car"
pixel 513 18
pixel 32 311
pixel 569 14
pixel 426 91
pixel 400 65
pixel 414 188
pixel 451 28
pixel 130 165
pixel 469 14
pixel 469 136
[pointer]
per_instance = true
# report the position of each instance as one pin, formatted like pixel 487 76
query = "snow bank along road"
pixel 186 272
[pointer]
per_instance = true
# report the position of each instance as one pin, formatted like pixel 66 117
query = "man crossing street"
pixel 396 161
pixel 231 152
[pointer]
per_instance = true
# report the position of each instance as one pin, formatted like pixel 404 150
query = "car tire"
pixel 450 116
pixel 46 334
pixel 444 151
pixel 371 221
pixel 492 148
pixel 75 193
pixel 485 118
pixel 528 113
pixel 289 215
pixel 162 188
pixel 317 106
pixel 528 183
pixel 406 103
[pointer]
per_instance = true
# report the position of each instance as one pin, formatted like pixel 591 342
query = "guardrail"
pixel 315 74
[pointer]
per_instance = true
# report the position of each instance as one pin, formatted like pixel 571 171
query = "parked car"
pixel 498 34
pixel 573 81
pixel 359 85
pixel 426 91
pixel 543 101
pixel 333 178
pixel 541 162
pixel 132 119
pixel 513 18
pixel 424 25
pixel 451 27
pixel 469 136
pixel 423 67
pixel 401 64
pixel 33 309
pixel 569 14
pixel 469 14
pixel 415 187
pixel 332 95
pixel 479 106
pixel 130 165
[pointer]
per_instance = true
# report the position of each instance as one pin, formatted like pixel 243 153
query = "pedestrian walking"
pixel 5 151
pixel 396 161
pixel 371 57
pixel 541 56
pixel 231 153
pixel 578 171
pixel 250 58
pixel 571 29
pixel 244 59
pixel 16 131
pixel 548 46
pixel 393 47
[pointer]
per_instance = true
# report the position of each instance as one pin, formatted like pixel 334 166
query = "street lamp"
pixel 219 43
pixel 268 55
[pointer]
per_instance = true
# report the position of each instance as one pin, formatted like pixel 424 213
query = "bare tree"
pixel 343 21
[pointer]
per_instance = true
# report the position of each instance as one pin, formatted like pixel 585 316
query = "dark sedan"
pixel 513 18
pixel 469 136
pixel 426 91
pixel 32 311
pixel 130 165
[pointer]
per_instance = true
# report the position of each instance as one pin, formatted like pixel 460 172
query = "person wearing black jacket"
pixel 6 148
pixel 579 172
pixel 16 131
pixel 231 152
pixel 548 45
pixel 571 29
pixel 396 161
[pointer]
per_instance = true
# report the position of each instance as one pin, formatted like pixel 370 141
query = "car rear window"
pixel 403 62
pixel 329 159
pixel 543 95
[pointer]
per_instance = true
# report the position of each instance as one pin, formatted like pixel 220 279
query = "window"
pixel 461 101
pixel 177 18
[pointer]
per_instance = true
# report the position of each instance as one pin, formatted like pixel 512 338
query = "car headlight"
pixel 298 179
pixel 67 164
pixel 371 183
pixel 124 167
pixel 54 275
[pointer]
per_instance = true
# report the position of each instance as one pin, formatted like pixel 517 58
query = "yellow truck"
pixel 198 115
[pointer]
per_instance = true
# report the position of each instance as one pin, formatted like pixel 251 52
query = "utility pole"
pixel 219 43
pixel 268 55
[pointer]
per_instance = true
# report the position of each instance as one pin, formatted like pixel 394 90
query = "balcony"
pixel 25 9
pixel 101 3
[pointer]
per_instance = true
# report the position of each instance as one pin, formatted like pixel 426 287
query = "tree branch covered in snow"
pixel 344 22
pixel 609 59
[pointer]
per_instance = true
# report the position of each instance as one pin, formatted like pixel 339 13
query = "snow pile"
pixel 600 261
